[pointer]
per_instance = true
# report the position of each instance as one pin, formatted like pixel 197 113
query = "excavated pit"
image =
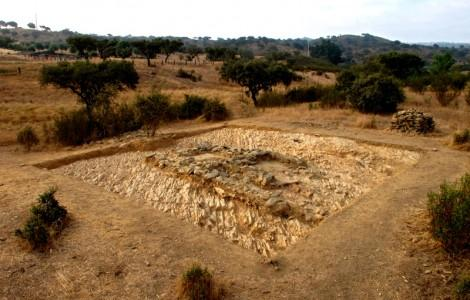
pixel 263 190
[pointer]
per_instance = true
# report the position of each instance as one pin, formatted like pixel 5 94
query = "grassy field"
pixel 24 101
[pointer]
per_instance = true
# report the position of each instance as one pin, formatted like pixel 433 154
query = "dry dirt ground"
pixel 118 248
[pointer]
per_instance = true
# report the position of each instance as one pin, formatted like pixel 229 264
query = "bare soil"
pixel 115 247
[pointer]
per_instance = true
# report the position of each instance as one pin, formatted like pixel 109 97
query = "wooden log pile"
pixel 411 120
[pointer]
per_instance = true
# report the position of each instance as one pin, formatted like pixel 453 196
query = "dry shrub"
pixel 366 122
pixel 461 139
pixel 462 288
pixel 47 220
pixel 27 137
pixel 198 284
pixel 450 215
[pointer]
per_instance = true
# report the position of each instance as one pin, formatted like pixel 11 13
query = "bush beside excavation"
pixel 450 215
pixel 46 221
pixel 198 284
pixel 27 137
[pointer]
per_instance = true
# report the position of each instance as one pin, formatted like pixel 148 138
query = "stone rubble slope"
pixel 263 190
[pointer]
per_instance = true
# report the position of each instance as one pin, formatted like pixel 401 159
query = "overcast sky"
pixel 404 20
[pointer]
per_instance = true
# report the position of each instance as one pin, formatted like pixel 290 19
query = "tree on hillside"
pixel 256 75
pixel 45 28
pixel 149 49
pixel 327 50
pixel 3 24
pixel 31 25
pixel 12 24
pixel 94 84
pixel 402 65
pixel 171 46
pixel 83 45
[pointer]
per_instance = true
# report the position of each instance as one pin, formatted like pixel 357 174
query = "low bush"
pixel 192 107
pixel 450 215
pixel 191 75
pixel 35 232
pixel 72 128
pixel 376 94
pixel 330 97
pixel 27 137
pixel 272 99
pixel 303 94
pixel 197 284
pixel 462 137
pixel 116 120
pixel 46 220
pixel 152 111
pixel 462 288
pixel 214 110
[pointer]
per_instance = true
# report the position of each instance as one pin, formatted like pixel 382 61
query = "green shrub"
pixel 330 97
pixel 418 83
pixel 47 219
pixel 450 214
pixel 272 99
pixel 462 137
pixel 303 94
pixel 153 110
pixel 197 284
pixel 462 288
pixel 191 75
pixel 48 209
pixel 116 120
pixel 72 128
pixel 35 232
pixel 192 107
pixel 27 137
pixel 376 94
pixel 214 110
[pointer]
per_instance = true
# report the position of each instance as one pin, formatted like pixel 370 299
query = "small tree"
pixel 170 46
pixel 149 49
pixel 152 111
pixel 27 137
pixel 94 84
pixel 12 24
pixel 192 52
pixel 402 65
pixel 31 25
pixel 123 49
pixel 257 75
pixel 83 45
pixel 106 48
pixel 375 94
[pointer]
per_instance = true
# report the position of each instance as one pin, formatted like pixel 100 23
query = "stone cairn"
pixel 411 120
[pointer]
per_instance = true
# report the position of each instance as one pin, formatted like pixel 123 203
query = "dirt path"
pixel 117 248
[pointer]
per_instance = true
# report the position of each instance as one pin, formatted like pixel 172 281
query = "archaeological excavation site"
pixel 262 190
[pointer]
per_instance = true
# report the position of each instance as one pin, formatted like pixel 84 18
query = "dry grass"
pixel 24 101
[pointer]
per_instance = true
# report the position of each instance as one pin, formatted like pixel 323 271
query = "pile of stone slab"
pixel 412 121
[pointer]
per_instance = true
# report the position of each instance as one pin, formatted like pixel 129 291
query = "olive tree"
pixel 94 84
pixel 257 75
